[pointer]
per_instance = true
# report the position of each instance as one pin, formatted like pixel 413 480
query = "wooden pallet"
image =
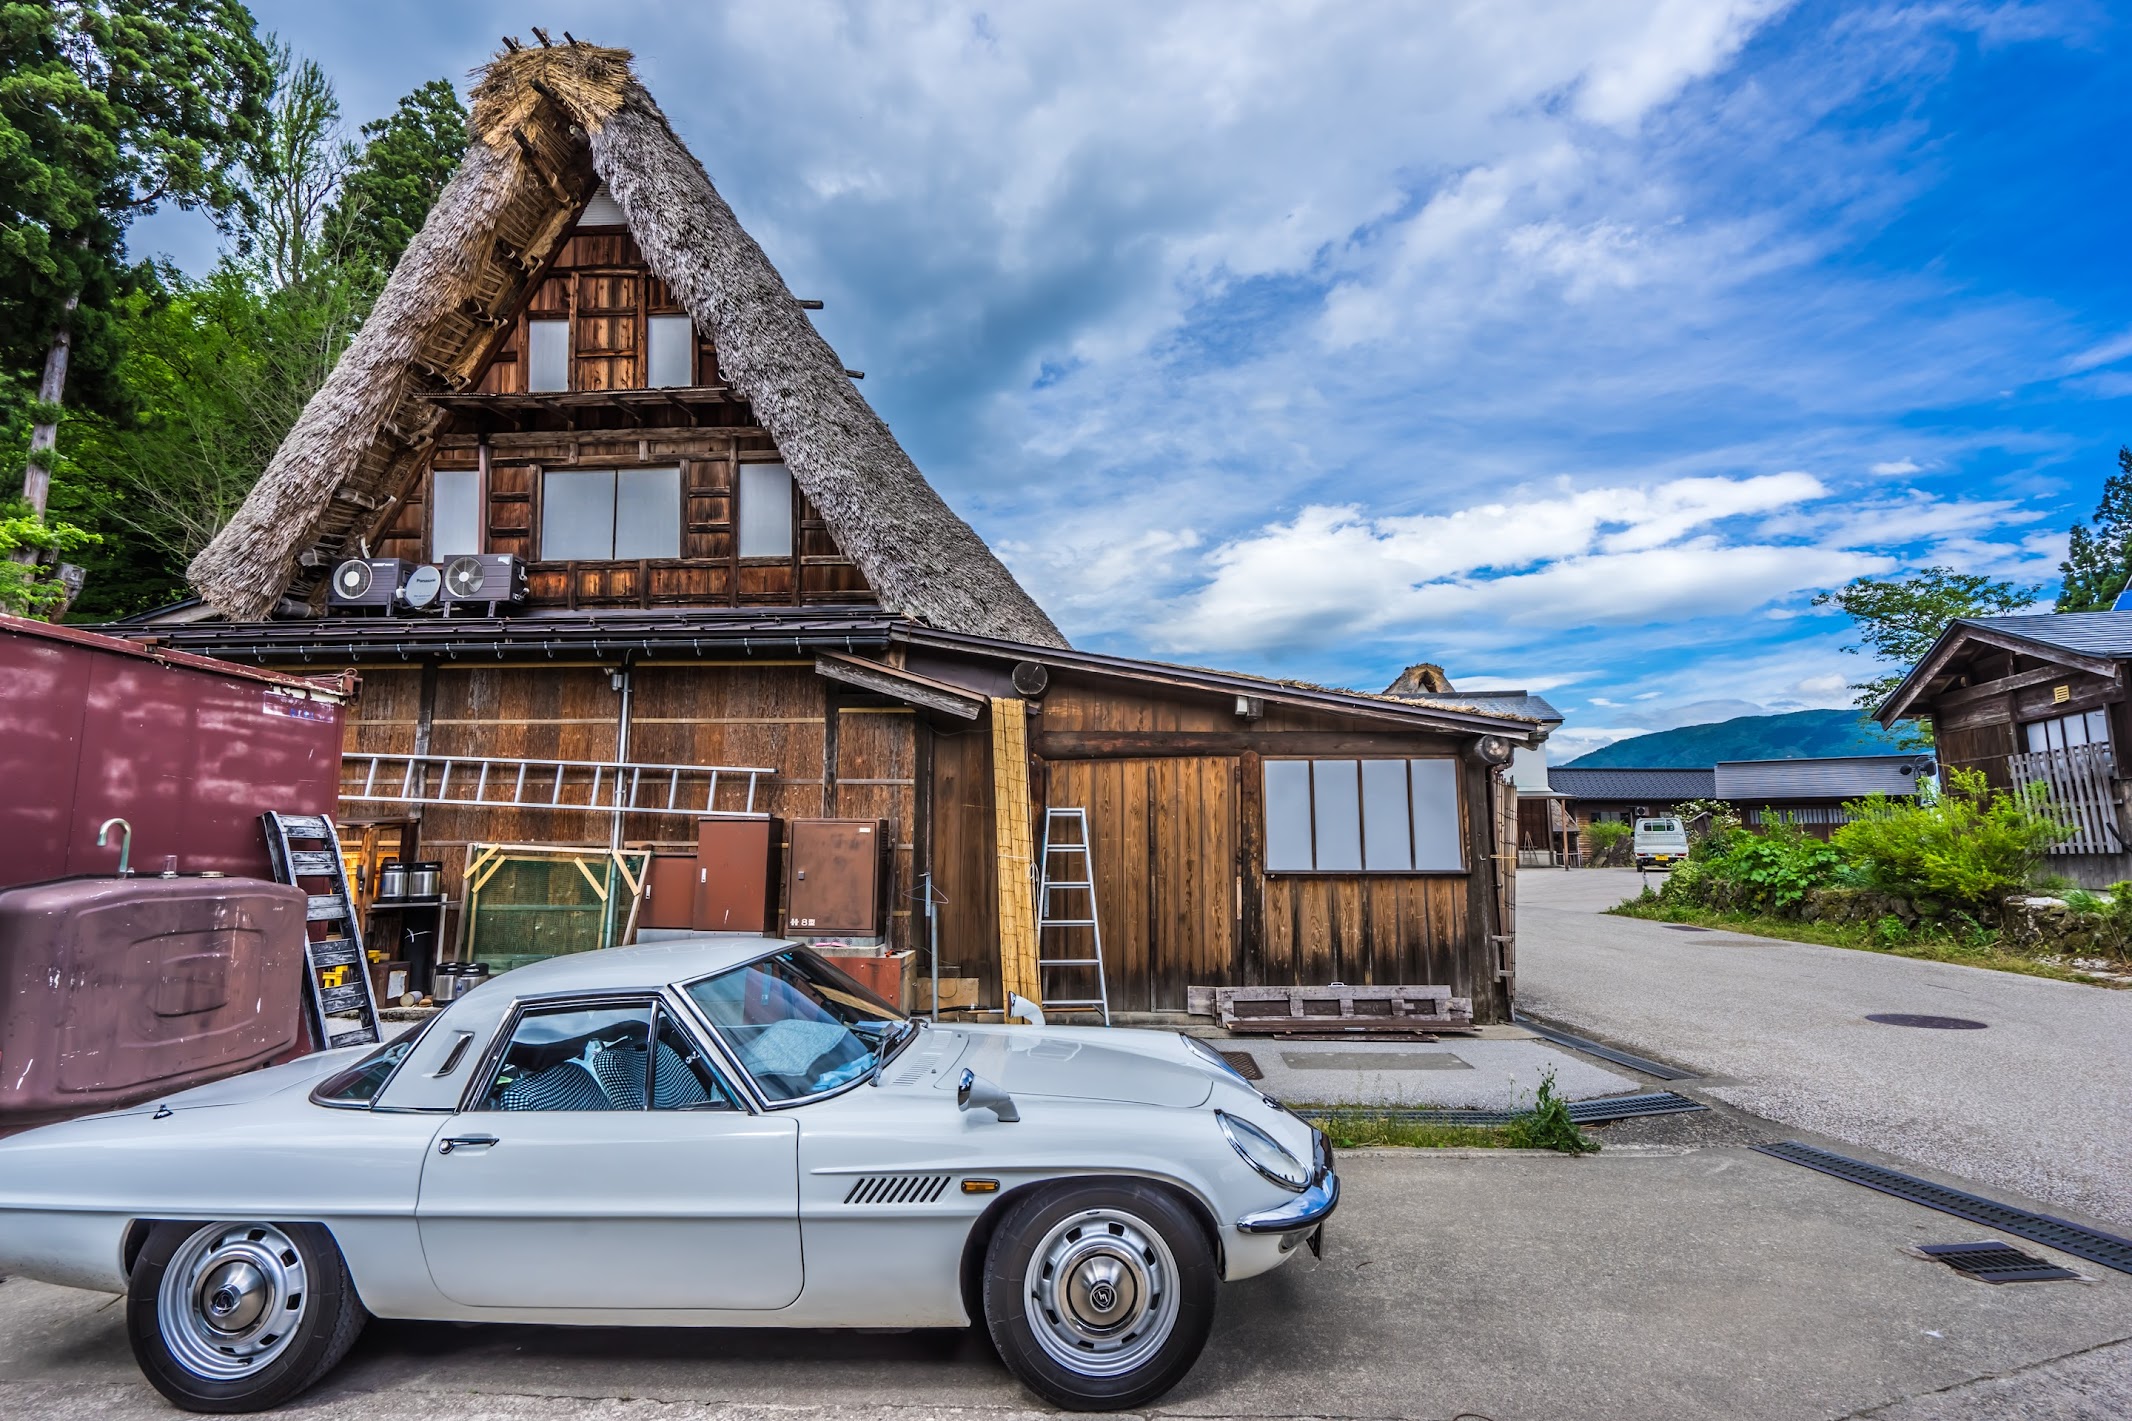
pixel 1334 1009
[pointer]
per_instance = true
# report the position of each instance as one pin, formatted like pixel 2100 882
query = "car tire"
pixel 232 1317
pixel 1099 1296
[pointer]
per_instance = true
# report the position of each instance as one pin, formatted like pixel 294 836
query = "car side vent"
pixel 897 1189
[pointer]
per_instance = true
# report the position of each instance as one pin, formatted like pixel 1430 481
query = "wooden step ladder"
pixel 1070 921
pixel 338 978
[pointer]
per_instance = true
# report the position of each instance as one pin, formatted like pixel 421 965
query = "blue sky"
pixel 1573 346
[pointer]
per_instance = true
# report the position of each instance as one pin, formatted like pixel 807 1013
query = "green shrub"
pixel 1606 835
pixel 1891 931
pixel 1776 868
pixel 2082 901
pixel 1968 842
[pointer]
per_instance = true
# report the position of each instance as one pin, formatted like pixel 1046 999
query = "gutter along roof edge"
pixel 1225 682
pixel 376 638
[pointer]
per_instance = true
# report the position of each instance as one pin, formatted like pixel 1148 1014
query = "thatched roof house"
pixel 551 128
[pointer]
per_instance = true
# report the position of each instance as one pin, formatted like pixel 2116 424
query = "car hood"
pixel 1132 1067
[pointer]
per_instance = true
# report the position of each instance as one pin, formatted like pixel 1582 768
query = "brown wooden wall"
pixel 602 284
pixel 1173 783
pixel 710 571
pixel 1979 725
pixel 773 715
pixel 1177 825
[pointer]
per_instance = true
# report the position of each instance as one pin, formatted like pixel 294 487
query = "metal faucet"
pixel 125 845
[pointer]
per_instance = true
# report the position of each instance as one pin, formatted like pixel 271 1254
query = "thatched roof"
pixel 549 127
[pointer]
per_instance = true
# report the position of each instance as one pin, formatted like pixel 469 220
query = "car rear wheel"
pixel 229 1317
pixel 1099 1296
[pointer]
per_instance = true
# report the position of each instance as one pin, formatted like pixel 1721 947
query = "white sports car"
pixel 722 1132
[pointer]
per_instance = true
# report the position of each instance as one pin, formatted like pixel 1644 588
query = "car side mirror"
pixel 974 1092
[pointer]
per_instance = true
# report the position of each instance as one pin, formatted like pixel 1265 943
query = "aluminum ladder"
pixel 337 975
pixel 1080 880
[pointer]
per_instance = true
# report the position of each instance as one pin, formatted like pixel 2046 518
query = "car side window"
pixel 574 1058
pixel 681 1079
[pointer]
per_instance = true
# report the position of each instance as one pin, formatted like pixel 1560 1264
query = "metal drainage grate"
pixel 1995 1262
pixel 1930 1023
pixel 1590 1047
pixel 1584 1112
pixel 2094 1245
pixel 1245 1063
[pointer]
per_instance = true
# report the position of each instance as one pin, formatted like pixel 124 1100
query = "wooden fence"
pixel 2080 783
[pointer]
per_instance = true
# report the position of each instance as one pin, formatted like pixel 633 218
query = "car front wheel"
pixel 232 1317
pixel 1099 1296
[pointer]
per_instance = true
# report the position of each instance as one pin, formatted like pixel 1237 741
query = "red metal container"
pixel 187 749
pixel 114 990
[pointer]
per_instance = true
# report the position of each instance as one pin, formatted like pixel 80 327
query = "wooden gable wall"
pixel 602 284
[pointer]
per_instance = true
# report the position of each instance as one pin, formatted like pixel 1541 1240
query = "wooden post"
pixel 1011 841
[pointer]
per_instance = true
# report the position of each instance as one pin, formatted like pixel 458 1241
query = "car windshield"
pixel 1660 826
pixel 799 1026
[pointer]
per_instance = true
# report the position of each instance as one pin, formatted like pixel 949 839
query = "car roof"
pixel 644 967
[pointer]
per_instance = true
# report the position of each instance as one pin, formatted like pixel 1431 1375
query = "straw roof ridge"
pixel 548 124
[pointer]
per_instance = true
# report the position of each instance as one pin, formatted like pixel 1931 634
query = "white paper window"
pixel 1363 816
pixel 765 511
pixel 1433 788
pixel 603 515
pixel 577 515
pixel 647 513
pixel 671 360
pixel 2067 732
pixel 1288 816
pixel 1387 839
pixel 547 355
pixel 1336 815
pixel 454 513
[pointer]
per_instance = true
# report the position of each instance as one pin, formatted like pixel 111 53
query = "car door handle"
pixel 469 1142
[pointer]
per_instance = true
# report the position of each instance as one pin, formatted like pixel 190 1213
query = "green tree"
pixel 407 158
pixel 1898 619
pixel 108 108
pixel 2097 565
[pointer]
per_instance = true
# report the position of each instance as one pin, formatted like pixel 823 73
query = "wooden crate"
pixel 1391 1010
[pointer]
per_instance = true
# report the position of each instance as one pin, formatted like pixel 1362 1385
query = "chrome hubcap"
pixel 232 1299
pixel 1102 1292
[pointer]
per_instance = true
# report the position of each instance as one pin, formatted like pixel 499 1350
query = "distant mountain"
pixel 1797 735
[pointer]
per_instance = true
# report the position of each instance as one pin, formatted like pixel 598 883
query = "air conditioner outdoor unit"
pixel 498 579
pixel 367 582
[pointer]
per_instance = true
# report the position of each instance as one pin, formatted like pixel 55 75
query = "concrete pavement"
pixel 2039 1103
pixel 1641 1284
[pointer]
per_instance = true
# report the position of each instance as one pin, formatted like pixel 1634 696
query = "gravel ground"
pixel 2036 1104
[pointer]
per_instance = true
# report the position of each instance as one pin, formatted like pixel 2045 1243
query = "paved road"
pixel 2039 1103
pixel 1640 1284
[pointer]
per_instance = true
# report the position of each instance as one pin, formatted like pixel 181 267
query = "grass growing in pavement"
pixel 1546 1126
pixel 1862 937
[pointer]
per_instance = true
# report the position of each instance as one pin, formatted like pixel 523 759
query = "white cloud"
pixel 1897 466
pixel 1595 557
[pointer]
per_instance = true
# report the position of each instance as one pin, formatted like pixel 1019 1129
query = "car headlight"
pixel 1264 1153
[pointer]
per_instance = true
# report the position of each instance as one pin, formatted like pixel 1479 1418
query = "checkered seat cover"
pixel 564 1086
pixel 621 1072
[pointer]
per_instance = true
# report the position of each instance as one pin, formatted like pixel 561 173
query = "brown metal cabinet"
pixel 734 892
pixel 836 880
pixel 669 892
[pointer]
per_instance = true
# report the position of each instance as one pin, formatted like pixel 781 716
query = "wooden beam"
pixel 1016 852
pixel 2042 675
pixel 1160 744
pixel 911 690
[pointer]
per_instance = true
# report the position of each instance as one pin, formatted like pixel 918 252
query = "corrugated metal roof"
pixel 1652 787
pixel 2094 633
pixel 1837 777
